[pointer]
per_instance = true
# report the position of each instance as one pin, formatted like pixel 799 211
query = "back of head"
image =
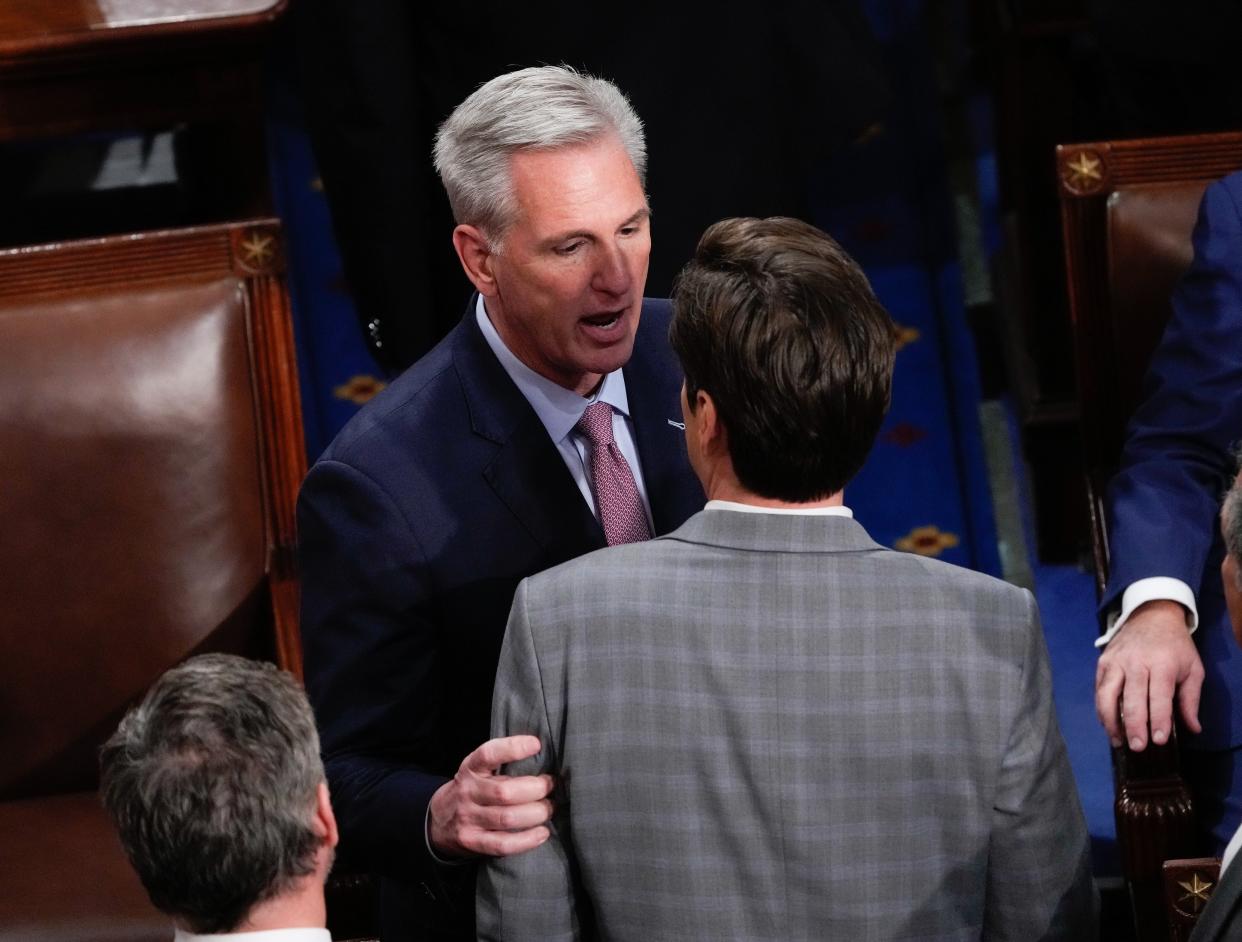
pixel 780 327
pixel 212 782
pixel 1231 520
pixel 539 108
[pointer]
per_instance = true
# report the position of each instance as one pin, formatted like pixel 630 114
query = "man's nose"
pixel 612 272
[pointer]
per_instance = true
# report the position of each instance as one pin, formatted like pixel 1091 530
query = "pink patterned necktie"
pixel 616 496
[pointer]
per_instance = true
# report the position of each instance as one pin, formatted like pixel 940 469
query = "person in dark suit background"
pixel 1222 917
pixel 471 471
pixel 1169 651
pixel 739 107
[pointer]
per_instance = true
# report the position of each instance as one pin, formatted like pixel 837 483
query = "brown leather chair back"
pixel 150 452
pixel 1148 244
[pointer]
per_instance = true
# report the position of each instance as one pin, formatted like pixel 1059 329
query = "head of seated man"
pixel 216 787
pixel 1231 566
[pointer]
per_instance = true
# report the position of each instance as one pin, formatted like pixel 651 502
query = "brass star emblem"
pixel 903 336
pixel 258 249
pixel 1084 170
pixel 1196 892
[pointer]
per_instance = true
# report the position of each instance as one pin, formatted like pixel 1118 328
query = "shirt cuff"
pixel 453 862
pixel 1155 588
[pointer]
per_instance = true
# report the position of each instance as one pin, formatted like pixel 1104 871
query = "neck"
pixel 729 488
pixel 300 908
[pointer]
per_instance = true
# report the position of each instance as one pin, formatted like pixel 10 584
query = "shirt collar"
pixel 558 408
pixel 838 511
pixel 268 935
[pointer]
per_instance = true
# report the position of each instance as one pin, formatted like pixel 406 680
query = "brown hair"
pixel 778 324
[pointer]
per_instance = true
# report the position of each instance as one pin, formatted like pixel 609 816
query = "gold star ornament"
pixel 1084 172
pixel 1197 892
pixel 258 249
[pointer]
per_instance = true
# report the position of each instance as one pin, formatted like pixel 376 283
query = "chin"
pixel 615 360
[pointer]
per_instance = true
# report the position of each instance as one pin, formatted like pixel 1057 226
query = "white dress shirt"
pixel 838 511
pixel 559 409
pixel 1152 589
pixel 1231 851
pixel 267 935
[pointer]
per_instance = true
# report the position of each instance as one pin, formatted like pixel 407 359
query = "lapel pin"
pixel 680 425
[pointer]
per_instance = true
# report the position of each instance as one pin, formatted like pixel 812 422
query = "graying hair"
pixel 1231 519
pixel 539 108
pixel 212 782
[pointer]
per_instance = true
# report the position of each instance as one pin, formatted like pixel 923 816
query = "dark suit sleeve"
pixel 371 665
pixel 1162 504
pixel 528 896
pixel 1039 866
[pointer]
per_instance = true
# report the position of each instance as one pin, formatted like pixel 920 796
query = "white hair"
pixel 540 108
pixel 1231 518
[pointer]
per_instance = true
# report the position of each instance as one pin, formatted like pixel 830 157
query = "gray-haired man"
pixel 473 470
pixel 1222 919
pixel 216 787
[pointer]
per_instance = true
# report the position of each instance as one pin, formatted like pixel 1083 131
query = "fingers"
pixel 1188 698
pixel 1108 683
pixel 510 817
pixel 1134 708
pixel 497 752
pixel 480 811
pixel 511 790
pixel 502 843
pixel 1160 704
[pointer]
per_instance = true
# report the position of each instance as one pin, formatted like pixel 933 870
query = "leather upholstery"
pixel 131 507
pixel 1149 249
pixel 150 451
pixel 43 900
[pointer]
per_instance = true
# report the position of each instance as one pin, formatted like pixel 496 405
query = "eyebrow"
pixel 638 216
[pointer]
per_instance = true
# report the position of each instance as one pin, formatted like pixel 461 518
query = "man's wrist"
pixel 1151 589
pixel 431 847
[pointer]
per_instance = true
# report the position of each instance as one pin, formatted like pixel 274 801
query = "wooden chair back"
pixel 150 456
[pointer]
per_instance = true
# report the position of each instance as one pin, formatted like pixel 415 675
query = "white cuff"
pixel 1155 588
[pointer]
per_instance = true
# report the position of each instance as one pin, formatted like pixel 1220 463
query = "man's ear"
pixel 325 820
pixel 475 254
pixel 711 430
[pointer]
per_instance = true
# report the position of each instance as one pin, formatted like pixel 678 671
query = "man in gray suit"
pixel 764 725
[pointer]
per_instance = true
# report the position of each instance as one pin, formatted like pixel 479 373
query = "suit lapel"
pixel 526 471
pixel 1219 914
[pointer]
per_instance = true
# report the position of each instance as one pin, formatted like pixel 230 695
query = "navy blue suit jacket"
pixel 1163 504
pixel 415 527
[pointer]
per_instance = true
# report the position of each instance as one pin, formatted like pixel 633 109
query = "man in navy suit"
pixel 470 472
pixel 1170 637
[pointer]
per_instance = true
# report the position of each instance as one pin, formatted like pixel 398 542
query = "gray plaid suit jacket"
pixel 770 727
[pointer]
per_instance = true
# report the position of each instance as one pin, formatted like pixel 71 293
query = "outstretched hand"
pixel 1149 660
pixel 481 812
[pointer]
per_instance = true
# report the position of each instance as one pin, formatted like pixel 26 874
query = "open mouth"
pixel 603 321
